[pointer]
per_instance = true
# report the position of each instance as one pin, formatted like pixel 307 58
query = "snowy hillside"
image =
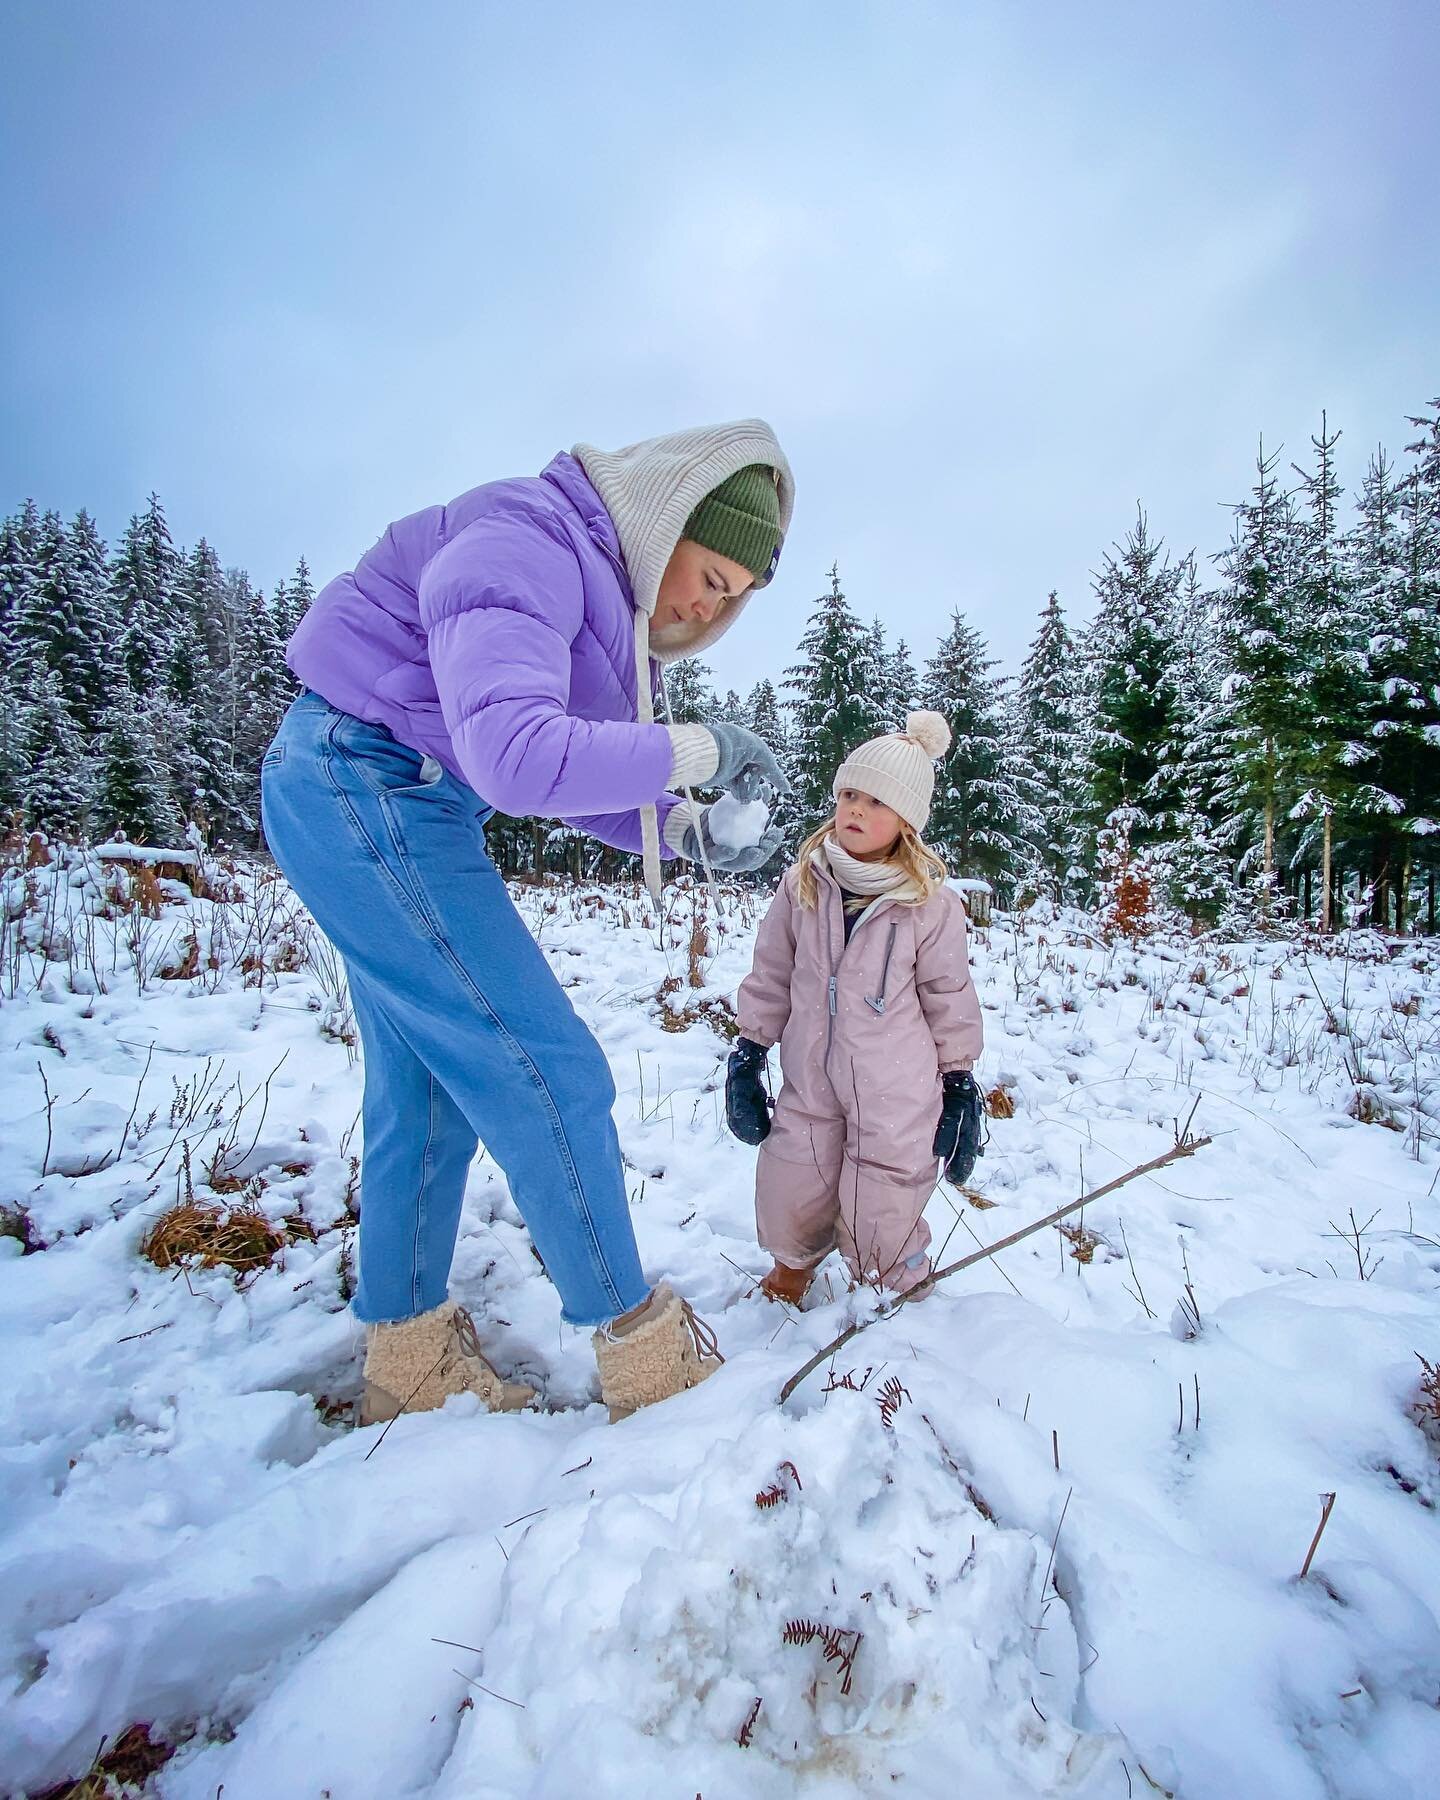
pixel 1039 1534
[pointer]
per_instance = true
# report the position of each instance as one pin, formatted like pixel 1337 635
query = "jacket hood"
pixel 650 490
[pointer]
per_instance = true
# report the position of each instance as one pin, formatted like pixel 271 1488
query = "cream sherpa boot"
pixel 661 1352
pixel 416 1364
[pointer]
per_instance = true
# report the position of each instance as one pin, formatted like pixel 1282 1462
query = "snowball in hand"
pixel 737 824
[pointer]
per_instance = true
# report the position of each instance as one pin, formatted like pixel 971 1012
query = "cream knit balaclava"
pixel 650 489
pixel 899 768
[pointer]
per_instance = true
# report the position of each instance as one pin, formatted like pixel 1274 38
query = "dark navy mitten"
pixel 747 1106
pixel 959 1137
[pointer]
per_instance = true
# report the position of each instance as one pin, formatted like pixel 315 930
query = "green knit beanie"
pixel 740 519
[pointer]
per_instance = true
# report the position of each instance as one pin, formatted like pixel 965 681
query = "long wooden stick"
pixel 1186 1146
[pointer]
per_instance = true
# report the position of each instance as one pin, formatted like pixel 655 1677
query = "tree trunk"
pixel 1269 813
pixel 1325 902
pixel 1402 895
pixel 537 846
pixel 1430 900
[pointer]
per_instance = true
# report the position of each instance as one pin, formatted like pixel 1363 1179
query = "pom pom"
pixel 930 732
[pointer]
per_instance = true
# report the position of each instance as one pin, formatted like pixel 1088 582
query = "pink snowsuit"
pixel 866 1029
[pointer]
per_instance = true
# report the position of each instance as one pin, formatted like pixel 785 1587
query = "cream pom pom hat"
pixel 899 769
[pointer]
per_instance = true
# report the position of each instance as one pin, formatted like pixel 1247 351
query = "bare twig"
pixel 135 1336
pixel 470 1681
pixel 1054 1545
pixel 1326 1509
pixel 135 1103
pixel 49 1122
pixel 1366 1261
pixel 409 1397
pixel 1138 1291
pixel 1186 1147
pixel 998 1270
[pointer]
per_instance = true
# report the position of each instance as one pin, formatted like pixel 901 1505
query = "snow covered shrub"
pixel 337 1014
pixel 1426 1407
pixel 1254 910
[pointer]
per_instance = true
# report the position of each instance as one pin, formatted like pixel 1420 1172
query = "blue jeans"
pixel 466 1032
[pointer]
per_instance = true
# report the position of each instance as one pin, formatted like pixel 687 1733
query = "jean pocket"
pixel 387 767
pixel 429 776
pixel 272 758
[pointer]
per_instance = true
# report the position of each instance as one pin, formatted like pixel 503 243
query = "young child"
pixel 862 976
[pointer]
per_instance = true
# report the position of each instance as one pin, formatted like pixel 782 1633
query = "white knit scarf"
pixel 650 490
pixel 869 878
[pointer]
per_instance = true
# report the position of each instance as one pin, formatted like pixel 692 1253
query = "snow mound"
pixel 830 1590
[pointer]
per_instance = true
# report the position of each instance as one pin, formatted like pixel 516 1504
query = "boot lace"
pixel 705 1340
pixel 466 1335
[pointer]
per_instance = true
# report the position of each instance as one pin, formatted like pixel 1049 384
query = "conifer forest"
pixel 1246 735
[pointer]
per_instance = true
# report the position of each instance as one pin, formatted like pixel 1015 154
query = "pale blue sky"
pixel 994 271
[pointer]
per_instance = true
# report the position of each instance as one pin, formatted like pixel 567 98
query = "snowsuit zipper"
pixel 876 1002
pixel 832 989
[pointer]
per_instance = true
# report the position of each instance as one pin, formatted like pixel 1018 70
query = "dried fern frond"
pixel 838 1644
pixel 778 1490
pixel 890 1399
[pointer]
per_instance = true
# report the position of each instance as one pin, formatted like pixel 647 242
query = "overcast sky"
pixel 995 272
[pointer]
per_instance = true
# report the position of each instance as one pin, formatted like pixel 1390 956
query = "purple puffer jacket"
pixel 497 634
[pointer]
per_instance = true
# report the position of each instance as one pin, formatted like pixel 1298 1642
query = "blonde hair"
pixel 924 868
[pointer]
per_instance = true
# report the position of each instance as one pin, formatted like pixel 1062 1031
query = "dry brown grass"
pixel 16 1223
pixel 1370 1109
pixel 183 962
pixel 287 956
pixel 210 1234
pixel 1000 1103
pixel 146 894
pixel 713 1010
pixel 1082 1241
pixel 125 1769
pixel 697 949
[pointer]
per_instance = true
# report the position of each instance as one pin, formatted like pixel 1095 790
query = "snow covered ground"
pixel 548 1605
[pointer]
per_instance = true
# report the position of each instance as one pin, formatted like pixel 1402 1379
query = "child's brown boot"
pixel 785 1283
pixel 658 1350
pixel 417 1364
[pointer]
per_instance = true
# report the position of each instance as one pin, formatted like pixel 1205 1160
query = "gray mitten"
pixel 747 764
pixel 731 859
